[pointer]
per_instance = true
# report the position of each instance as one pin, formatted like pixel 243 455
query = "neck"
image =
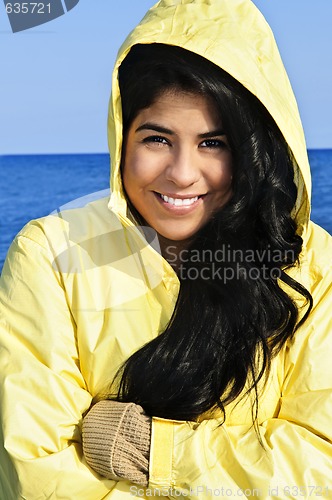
pixel 171 250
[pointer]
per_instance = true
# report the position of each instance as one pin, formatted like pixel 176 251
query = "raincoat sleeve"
pixel 207 459
pixel 43 393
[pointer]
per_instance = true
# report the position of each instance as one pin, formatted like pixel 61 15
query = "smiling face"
pixel 177 168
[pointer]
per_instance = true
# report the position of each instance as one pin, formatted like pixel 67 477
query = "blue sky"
pixel 55 79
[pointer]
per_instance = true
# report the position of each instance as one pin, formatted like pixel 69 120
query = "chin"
pixel 178 237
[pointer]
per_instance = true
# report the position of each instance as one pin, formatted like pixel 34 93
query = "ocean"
pixel 32 186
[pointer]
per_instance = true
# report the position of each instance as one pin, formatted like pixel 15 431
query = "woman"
pixel 214 350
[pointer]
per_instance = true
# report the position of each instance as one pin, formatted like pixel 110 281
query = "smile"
pixel 179 202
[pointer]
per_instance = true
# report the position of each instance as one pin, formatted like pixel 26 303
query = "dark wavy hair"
pixel 223 333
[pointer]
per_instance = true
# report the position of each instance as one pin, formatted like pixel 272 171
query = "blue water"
pixel 35 185
pixel 321 170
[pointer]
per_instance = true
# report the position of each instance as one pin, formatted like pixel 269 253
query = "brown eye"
pixel 213 144
pixel 157 139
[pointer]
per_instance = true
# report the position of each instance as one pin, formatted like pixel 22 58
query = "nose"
pixel 183 168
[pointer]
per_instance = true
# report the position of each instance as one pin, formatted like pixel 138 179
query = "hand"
pixel 116 441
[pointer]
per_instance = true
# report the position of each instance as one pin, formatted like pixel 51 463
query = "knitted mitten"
pixel 116 441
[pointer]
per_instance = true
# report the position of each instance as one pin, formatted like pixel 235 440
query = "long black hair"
pixel 231 320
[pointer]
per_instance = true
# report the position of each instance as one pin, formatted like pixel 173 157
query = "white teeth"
pixel 179 202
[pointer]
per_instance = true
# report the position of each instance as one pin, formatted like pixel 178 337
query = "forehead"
pixel 181 108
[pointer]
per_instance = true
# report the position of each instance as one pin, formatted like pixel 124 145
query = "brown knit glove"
pixel 116 441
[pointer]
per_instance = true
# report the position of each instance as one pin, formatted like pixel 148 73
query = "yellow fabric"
pixel 81 290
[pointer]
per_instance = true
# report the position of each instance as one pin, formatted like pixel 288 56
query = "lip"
pixel 181 196
pixel 179 210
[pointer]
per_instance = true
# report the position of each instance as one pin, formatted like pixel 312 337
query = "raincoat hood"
pixel 233 35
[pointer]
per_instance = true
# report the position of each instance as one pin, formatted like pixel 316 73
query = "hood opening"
pixel 239 42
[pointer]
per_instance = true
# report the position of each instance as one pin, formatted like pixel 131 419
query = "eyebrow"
pixel 155 127
pixel 164 130
pixel 213 133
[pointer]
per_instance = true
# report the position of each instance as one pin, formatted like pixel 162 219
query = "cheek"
pixel 137 178
pixel 131 173
pixel 228 175
pixel 141 169
pixel 224 176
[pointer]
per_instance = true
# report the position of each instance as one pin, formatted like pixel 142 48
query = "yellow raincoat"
pixel 82 290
